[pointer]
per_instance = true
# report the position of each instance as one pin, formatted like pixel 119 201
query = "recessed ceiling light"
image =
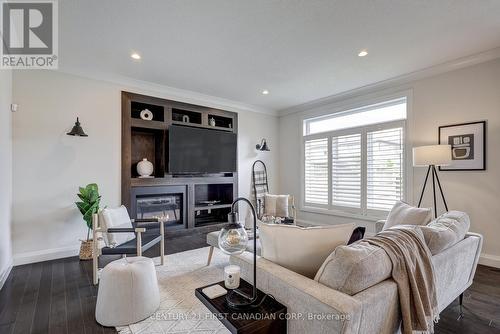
pixel 265 92
pixel 362 53
pixel 135 56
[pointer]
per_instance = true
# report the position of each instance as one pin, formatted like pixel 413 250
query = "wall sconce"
pixel 77 130
pixel 262 146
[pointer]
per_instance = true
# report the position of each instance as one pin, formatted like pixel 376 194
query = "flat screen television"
pixel 201 151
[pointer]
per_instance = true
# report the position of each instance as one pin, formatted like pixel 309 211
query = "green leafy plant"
pixel 89 203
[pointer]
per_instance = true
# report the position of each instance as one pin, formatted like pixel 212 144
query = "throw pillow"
pixel 282 206
pixel 116 218
pixel 301 249
pixel 446 230
pixel 354 268
pixel 276 205
pixel 404 214
pixel 270 205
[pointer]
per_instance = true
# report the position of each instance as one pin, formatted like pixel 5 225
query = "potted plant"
pixel 88 205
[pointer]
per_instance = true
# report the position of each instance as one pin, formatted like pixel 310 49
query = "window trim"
pixel 366 214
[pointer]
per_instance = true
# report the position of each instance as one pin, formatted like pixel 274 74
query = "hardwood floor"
pixel 58 297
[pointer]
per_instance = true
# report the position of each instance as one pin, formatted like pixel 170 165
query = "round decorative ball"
pixel 146 115
pixel 145 168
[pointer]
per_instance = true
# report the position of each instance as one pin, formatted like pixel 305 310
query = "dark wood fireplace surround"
pixel 193 203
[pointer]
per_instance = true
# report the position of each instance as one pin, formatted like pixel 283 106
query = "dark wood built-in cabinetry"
pixel 191 201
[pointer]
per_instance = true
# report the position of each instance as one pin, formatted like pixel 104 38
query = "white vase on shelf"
pixel 145 168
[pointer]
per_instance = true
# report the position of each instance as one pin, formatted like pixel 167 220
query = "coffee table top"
pixel 266 318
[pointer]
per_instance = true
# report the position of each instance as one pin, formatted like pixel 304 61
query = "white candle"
pixel 232 277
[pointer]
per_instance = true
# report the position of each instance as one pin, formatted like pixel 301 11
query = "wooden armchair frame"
pixel 96 251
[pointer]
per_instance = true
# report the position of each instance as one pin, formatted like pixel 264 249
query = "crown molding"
pixel 399 80
pixel 168 92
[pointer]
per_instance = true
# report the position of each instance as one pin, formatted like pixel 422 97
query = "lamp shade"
pixel 77 130
pixel 263 146
pixel 437 155
pixel 233 238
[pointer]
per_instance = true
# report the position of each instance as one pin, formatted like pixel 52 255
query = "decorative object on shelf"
pixel 468 145
pixel 214 291
pixel 431 156
pixel 185 118
pixel 146 115
pixel 263 145
pixel 233 239
pixel 212 121
pixel 230 126
pixel 145 168
pixel 232 277
pixel 88 205
pixel 77 130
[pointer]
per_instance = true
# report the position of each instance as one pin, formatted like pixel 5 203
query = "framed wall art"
pixel 468 145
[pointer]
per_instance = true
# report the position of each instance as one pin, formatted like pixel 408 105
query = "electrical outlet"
pixel 14 107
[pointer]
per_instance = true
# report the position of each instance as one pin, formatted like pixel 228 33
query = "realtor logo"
pixel 29 33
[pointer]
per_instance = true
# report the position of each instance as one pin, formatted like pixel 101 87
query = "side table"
pixel 269 317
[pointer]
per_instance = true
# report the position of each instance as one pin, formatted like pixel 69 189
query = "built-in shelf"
pixel 147 144
pixel 140 123
pixel 136 108
pixel 212 207
pixel 221 122
pixel 202 126
pixel 168 180
pixel 150 139
pixel 207 217
pixel 187 116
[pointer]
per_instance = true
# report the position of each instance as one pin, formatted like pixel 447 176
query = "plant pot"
pixel 86 248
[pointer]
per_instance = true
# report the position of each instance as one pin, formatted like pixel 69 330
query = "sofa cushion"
pixel 300 249
pixel 446 230
pixel 354 268
pixel 404 214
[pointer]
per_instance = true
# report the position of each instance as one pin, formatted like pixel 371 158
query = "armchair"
pixel 129 237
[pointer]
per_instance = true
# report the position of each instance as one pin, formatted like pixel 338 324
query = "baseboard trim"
pixel 5 275
pixel 45 255
pixel 489 260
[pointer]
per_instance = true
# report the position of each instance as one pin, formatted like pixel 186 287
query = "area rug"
pixel 180 311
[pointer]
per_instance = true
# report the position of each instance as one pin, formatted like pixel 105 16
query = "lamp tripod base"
pixel 435 179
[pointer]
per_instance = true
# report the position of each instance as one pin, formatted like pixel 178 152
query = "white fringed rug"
pixel 180 311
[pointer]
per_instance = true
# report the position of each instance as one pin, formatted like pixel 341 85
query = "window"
pixel 316 170
pixel 354 160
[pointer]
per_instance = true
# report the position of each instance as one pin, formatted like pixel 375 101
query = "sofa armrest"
pixel 478 253
pixel 317 308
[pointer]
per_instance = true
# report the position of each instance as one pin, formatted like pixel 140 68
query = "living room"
pixel 330 123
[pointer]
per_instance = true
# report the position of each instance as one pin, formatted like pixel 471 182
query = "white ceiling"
pixel 300 50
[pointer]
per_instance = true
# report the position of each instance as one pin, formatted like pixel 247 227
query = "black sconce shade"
pixel 262 146
pixel 77 130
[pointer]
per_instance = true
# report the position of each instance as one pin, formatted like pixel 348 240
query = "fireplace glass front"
pixel 166 207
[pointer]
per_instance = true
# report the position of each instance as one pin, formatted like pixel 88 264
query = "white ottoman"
pixel 128 292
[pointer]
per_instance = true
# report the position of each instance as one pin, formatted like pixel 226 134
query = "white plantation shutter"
pixel 316 171
pixel 354 160
pixel 384 168
pixel 346 171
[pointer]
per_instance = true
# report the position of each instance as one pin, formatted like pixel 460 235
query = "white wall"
pixel 464 95
pixel 5 174
pixel 49 165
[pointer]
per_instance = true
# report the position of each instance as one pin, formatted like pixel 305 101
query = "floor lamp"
pixel 431 156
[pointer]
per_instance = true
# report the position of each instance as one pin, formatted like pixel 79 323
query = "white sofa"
pixel 321 309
